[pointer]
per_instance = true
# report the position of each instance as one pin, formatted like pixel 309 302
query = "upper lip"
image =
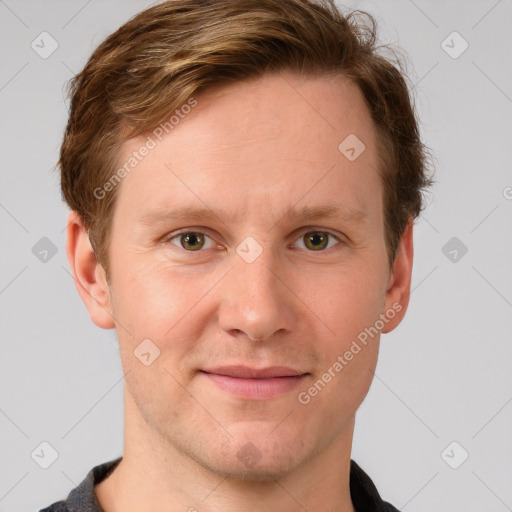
pixel 245 372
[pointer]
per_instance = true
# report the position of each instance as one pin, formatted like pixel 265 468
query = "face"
pixel 285 267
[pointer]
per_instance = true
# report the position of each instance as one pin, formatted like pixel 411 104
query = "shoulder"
pixel 82 497
pixel 364 494
pixel 58 506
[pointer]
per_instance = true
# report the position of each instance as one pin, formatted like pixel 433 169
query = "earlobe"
pixel 88 274
pixel 399 289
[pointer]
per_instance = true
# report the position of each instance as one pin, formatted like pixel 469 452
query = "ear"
pixel 88 274
pixel 399 288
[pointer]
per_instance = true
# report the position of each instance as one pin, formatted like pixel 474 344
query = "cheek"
pixel 153 297
pixel 344 379
pixel 154 303
pixel 349 303
pixel 344 300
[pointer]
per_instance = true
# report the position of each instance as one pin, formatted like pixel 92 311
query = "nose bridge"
pixel 254 299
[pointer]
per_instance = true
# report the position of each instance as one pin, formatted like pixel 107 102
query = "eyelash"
pixel 172 236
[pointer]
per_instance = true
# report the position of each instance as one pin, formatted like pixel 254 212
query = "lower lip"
pixel 256 389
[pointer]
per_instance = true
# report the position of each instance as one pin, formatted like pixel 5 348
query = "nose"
pixel 256 301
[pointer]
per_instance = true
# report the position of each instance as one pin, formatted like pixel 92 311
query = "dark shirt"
pixel 82 498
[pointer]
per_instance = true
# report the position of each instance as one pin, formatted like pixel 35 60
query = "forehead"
pixel 262 142
pixel 307 113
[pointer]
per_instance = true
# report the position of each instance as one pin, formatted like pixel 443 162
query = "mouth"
pixel 255 384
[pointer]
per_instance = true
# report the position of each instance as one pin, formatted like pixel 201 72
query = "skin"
pixel 263 145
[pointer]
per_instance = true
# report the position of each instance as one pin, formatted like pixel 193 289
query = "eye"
pixel 192 241
pixel 317 240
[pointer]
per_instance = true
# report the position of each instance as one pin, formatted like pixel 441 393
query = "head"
pixel 243 109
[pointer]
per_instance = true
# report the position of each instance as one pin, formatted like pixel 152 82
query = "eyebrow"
pixel 344 213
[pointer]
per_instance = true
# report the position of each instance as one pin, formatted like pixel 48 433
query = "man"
pixel 243 178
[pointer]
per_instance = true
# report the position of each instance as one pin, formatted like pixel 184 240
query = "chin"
pixel 265 460
pixel 262 471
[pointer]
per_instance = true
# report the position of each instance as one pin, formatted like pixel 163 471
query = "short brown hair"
pixel 155 62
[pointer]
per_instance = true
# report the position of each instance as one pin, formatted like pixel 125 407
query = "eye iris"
pixel 316 237
pixel 190 239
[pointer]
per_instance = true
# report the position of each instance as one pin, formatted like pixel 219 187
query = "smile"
pixel 255 387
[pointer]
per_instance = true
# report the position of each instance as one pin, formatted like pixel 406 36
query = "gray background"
pixel 443 375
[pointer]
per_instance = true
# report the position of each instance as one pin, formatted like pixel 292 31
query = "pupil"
pixel 191 239
pixel 315 239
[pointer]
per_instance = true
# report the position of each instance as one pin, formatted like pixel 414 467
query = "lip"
pixel 255 384
pixel 245 372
